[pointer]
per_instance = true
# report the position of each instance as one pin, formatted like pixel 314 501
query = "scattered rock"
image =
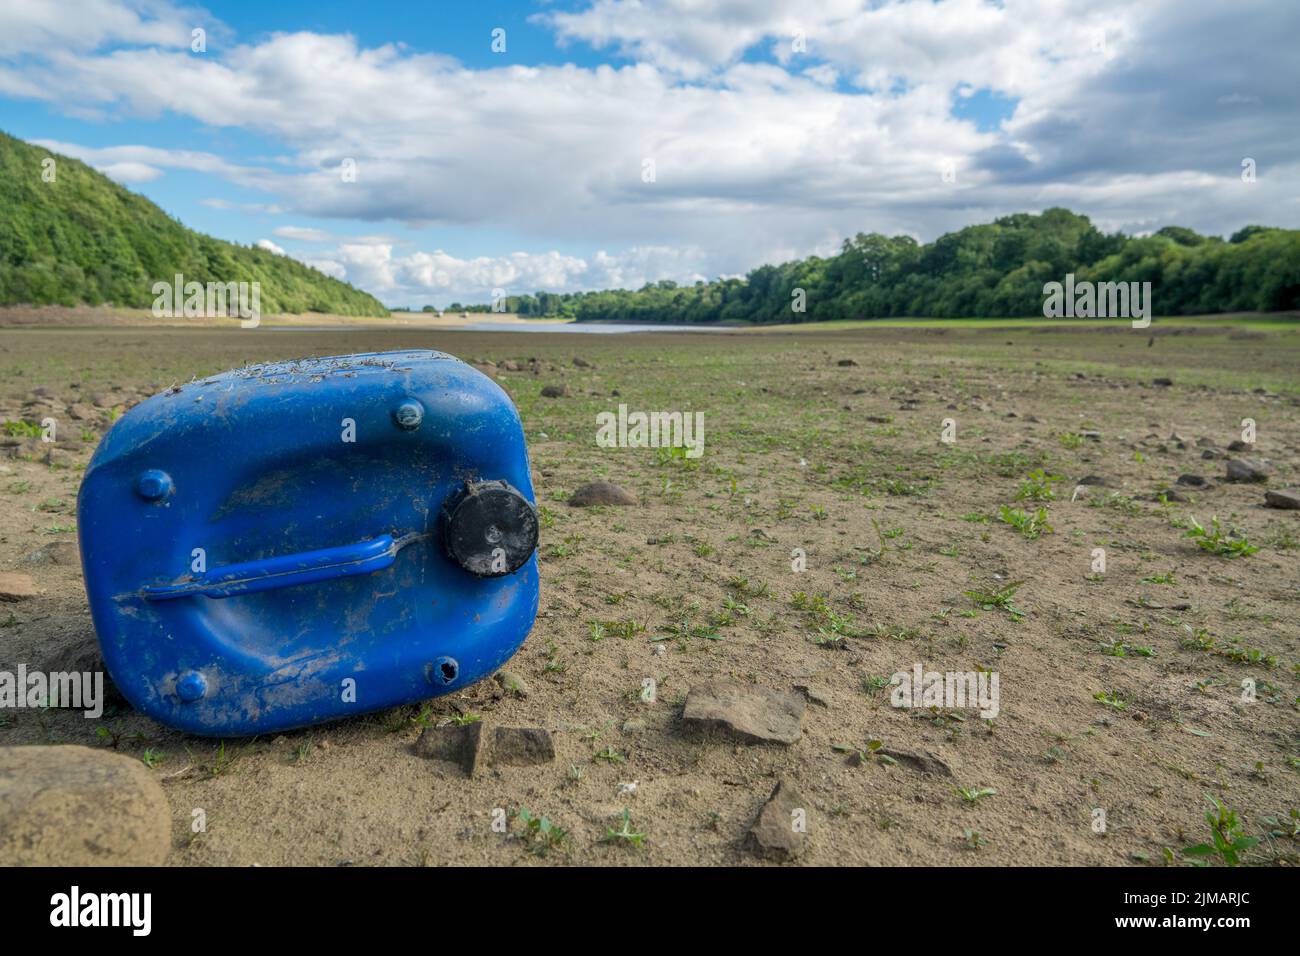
pixel 82 656
pixel 74 806
pixel 455 743
pixel 1212 454
pixel 521 746
pixel 752 713
pixel 814 695
pixel 1194 481
pixel 580 362
pixel 554 391
pixel 1162 382
pixel 56 552
pixel 1238 445
pixel 779 832
pixel 102 400
pixel 1094 480
pixel 16 587
pixel 846 363
pixel 79 412
pixel 1247 469
pixel 512 683
pixel 469 747
pixel 601 493
pixel 1170 495
pixel 1287 499
pixel 1090 435
pixel 921 760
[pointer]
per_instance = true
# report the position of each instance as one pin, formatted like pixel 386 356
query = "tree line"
pixel 996 269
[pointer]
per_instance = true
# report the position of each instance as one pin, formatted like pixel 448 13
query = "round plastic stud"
pixel 490 529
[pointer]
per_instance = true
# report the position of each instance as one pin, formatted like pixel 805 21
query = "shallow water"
pixel 589 328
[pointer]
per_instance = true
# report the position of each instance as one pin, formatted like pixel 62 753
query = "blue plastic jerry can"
pixel 296 542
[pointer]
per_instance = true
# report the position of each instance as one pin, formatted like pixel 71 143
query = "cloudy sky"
pixel 577 144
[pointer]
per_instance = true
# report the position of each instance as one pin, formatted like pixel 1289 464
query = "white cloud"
pixel 31 25
pixel 420 278
pixel 760 152
pixel 302 233
pixel 130 172
pixel 270 246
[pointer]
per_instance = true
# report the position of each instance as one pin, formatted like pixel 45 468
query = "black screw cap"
pixel 489 528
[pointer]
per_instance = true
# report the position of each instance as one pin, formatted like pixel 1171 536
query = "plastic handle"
pixel 268 573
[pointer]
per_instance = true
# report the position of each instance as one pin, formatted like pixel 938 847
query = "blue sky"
pixel 615 142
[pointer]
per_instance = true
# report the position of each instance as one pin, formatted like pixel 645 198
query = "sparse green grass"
pixel 1001 599
pixel 1215 541
pixel 1228 840
pixel 1030 526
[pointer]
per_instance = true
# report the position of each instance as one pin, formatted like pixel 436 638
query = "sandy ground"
pixel 847 463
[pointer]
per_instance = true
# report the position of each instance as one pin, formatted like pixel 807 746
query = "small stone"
pixel 779 832
pixel 921 760
pixel 521 746
pixel 752 713
pixel 79 412
pixel 814 695
pixel 455 743
pixel 1094 480
pixel 580 362
pixel 56 552
pixel 16 587
pixel 74 806
pixel 846 363
pixel 1287 499
pixel 1162 382
pixel 1212 454
pixel 1090 435
pixel 1247 469
pixel 1238 445
pixel 554 391
pixel 512 683
pixel 1194 481
pixel 601 493
pixel 83 656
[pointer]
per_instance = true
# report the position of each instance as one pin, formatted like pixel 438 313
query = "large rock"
pixel 56 552
pixel 1287 498
pixel 752 713
pixel 460 744
pixel 521 746
pixel 470 747
pixel 601 493
pixel 780 831
pixel 1247 469
pixel 73 806
pixel 83 656
pixel 16 587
